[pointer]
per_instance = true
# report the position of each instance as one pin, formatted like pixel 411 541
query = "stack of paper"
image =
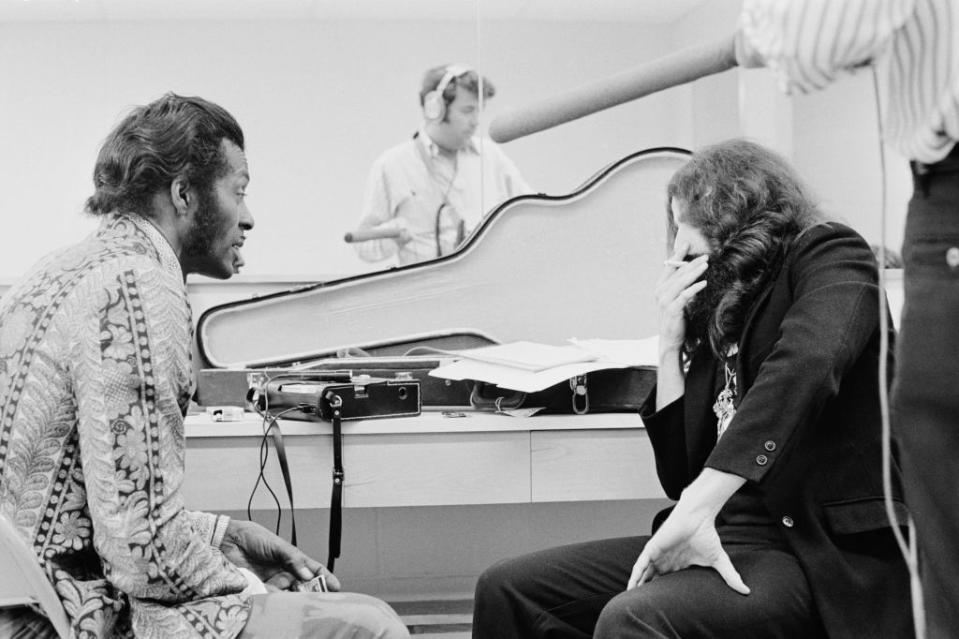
pixel 530 366
pixel 529 356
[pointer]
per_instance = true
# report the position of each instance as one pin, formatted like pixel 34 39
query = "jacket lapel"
pixel 700 382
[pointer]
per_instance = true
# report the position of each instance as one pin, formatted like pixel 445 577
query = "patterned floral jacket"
pixel 95 378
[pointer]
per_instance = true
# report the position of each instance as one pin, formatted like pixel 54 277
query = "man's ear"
pixel 182 195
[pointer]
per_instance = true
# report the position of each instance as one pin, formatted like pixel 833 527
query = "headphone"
pixel 434 106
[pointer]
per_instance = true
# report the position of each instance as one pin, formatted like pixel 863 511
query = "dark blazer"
pixel 807 430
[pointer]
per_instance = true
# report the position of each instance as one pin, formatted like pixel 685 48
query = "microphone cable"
pixel 269 424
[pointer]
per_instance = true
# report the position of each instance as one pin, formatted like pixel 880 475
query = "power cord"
pixel 908 549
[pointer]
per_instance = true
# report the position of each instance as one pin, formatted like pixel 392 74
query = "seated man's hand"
pixel 683 541
pixel 275 561
pixel 688 537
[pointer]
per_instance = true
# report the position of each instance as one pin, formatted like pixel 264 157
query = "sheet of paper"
pixel 517 378
pixel 601 353
pixel 530 356
pixel 631 352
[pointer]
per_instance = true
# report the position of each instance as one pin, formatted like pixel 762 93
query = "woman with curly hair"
pixel 765 424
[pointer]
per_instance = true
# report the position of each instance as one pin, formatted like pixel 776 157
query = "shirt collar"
pixel 164 251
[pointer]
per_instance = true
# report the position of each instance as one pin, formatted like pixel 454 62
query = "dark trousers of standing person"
pixel 925 396
pixel 578 591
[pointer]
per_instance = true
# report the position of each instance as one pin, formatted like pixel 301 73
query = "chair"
pixel 22 580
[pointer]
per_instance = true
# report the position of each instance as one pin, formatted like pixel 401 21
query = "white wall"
pixel 714 105
pixel 531 62
pixel 837 149
pixel 318 102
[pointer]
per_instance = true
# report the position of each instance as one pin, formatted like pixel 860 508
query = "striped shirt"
pixel 913 43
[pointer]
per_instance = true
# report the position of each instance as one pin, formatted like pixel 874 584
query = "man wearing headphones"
pixel 424 196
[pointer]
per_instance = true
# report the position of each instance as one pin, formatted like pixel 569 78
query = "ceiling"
pixel 636 11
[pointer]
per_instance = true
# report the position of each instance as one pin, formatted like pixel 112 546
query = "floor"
pixel 437 619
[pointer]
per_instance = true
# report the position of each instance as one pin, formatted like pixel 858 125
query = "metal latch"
pixel 580 394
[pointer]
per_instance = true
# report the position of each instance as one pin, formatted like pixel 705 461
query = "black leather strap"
pixel 285 469
pixel 336 498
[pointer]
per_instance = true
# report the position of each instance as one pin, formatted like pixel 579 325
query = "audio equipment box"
pixel 229 386
pixel 323 395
